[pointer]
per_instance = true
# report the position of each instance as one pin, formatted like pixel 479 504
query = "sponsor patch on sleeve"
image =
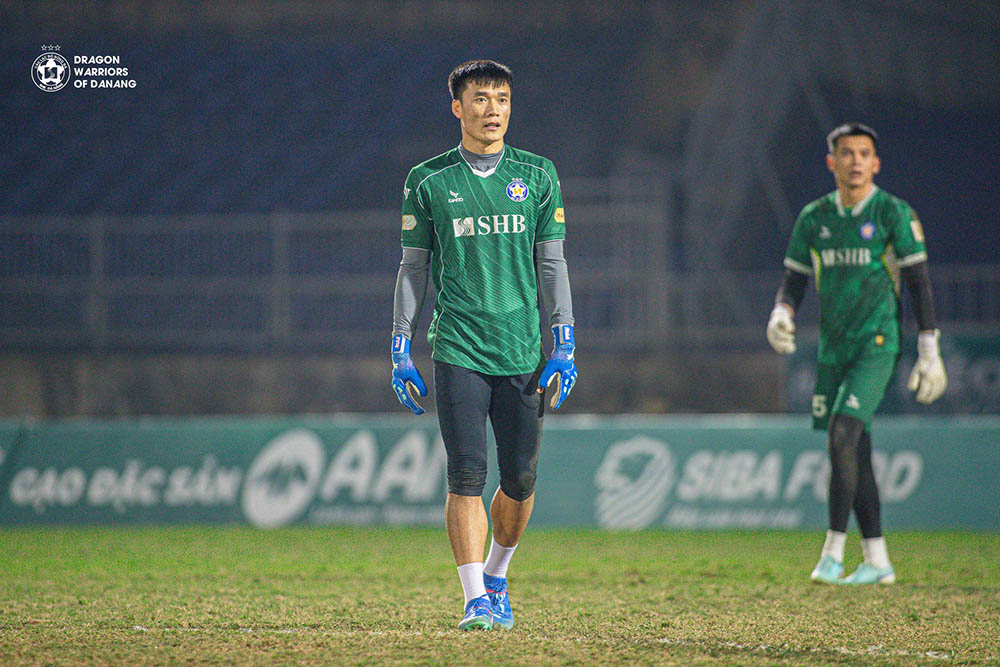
pixel 560 216
pixel 409 222
pixel 917 229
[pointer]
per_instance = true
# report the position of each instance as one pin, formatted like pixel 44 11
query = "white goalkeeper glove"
pixel 928 378
pixel 781 329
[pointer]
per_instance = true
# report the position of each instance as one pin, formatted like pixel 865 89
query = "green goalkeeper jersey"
pixel 855 254
pixel 481 229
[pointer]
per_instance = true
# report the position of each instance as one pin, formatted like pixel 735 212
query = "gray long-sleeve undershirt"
pixel 553 279
pixel 411 286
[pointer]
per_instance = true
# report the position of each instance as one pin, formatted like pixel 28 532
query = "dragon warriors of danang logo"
pixel 50 71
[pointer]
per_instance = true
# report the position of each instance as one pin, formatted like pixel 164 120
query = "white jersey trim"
pixel 488 172
pixel 798 266
pixel 437 298
pixel 910 260
pixel 416 190
pixel 857 208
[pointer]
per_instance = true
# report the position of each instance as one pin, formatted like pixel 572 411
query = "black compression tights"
pixel 852 478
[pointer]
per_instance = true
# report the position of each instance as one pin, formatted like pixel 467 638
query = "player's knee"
pixel 519 487
pixel 467 482
pixel 845 434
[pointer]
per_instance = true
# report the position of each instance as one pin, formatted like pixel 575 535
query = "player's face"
pixel 484 111
pixel 853 162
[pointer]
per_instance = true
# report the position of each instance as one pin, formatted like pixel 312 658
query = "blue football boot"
pixel 496 589
pixel 478 614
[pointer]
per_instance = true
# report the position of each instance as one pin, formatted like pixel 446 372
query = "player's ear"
pixel 456 108
pixel 829 161
pixel 876 165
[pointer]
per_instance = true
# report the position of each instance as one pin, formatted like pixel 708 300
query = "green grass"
pixel 362 596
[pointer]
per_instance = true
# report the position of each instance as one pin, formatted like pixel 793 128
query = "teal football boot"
pixel 828 570
pixel 869 574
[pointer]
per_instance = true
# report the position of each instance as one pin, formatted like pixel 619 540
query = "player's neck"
pixel 850 196
pixel 480 148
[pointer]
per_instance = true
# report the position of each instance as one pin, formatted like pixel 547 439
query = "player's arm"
pixel 411 286
pixel 553 283
pixel 408 299
pixel 781 326
pixel 792 289
pixel 928 377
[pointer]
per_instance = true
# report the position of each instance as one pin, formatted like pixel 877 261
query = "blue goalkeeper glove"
pixel 406 380
pixel 560 366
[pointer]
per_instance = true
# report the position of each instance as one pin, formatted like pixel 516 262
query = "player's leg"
pixel 830 566
pixel 463 401
pixel 867 382
pixel 510 518
pixel 516 415
pixel 867 507
pixel 842 442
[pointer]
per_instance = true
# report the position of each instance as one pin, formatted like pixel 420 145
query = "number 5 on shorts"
pixel 819 406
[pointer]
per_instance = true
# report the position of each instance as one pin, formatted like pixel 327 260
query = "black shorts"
pixel 465 398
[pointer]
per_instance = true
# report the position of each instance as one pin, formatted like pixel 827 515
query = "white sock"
pixel 498 559
pixel 875 552
pixel 471 575
pixel 834 545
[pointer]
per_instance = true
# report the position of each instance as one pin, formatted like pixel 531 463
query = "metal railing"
pixel 324 282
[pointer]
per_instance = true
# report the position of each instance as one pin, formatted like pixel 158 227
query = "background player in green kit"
pixel 857 242
pixel 487 221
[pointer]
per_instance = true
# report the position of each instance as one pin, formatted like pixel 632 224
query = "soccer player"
pixel 486 219
pixel 857 242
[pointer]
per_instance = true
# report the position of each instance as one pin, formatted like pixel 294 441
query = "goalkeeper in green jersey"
pixel 486 221
pixel 858 243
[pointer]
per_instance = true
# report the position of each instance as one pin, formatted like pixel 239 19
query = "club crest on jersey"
pixel 517 190
pixel 867 230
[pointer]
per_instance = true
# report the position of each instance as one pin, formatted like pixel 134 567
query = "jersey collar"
pixel 857 208
pixel 488 172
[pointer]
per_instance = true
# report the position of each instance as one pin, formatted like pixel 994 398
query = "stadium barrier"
pixel 629 472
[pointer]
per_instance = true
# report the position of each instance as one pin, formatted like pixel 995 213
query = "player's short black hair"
pixel 480 71
pixel 850 130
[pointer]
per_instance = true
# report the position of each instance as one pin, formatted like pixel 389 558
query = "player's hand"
pixel 560 366
pixel 928 378
pixel 406 380
pixel 781 329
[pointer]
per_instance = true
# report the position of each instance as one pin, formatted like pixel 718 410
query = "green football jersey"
pixel 481 229
pixel 855 255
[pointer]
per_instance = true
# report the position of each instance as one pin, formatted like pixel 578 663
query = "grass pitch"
pixel 391 595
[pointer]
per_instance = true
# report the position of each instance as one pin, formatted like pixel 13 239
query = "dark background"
pixel 224 236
